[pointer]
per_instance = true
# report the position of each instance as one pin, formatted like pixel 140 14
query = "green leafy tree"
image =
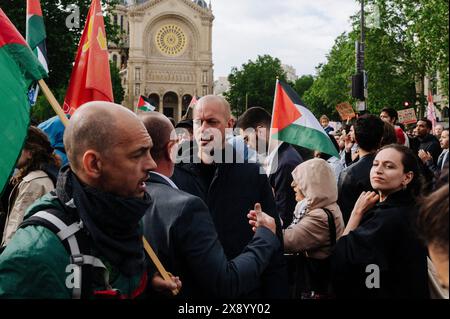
pixel 331 85
pixel 303 84
pixel 410 40
pixel 254 84
pixel 118 90
pixel 420 28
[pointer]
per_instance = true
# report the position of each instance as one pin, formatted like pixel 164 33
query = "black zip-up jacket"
pixel 232 193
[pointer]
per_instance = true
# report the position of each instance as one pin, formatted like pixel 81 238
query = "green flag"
pixel 19 68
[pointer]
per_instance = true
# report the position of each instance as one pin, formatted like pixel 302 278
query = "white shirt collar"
pixel 269 161
pixel 168 180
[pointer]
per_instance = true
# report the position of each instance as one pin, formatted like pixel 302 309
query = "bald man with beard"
pixel 102 197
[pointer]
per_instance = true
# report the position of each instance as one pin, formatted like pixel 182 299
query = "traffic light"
pixel 358 86
pixel 406 104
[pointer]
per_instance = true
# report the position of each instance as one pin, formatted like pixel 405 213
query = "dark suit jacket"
pixel 281 180
pixel 182 233
pixel 354 180
pixel 431 144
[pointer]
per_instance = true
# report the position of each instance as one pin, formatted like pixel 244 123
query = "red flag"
pixel 90 79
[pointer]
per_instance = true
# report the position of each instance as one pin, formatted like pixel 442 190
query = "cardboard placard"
pixel 345 111
pixel 407 116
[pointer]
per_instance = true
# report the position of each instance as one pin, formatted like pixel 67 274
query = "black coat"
pixel 182 233
pixel 385 238
pixel 354 180
pixel 431 144
pixel 281 180
pixel 233 192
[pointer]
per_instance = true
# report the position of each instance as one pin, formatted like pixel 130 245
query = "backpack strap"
pixel 68 230
pixel 331 227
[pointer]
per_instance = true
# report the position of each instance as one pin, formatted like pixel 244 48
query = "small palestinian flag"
pixel 145 105
pixel 293 123
pixel 36 39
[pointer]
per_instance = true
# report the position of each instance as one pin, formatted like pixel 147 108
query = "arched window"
pixel 170 104
pixel 154 100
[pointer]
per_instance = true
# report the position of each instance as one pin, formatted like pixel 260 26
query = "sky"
pixel 298 32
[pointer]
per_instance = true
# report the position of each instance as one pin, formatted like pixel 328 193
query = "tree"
pixel 421 28
pixel 331 85
pixel 62 43
pixel 303 84
pixel 118 90
pixel 409 42
pixel 254 84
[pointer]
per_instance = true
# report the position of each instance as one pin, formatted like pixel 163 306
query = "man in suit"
pixel 181 230
pixel 355 179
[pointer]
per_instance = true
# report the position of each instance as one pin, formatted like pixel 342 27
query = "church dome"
pixel 201 3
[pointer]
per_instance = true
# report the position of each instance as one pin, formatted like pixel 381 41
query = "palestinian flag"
pixel 145 105
pixel 19 68
pixel 293 123
pixel 36 39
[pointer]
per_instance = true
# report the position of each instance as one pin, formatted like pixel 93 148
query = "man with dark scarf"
pixel 104 187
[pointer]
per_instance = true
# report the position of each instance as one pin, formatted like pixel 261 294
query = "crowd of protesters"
pixel 228 213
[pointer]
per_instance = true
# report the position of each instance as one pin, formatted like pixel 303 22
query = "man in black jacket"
pixel 230 188
pixel 355 179
pixel 428 142
pixel 255 127
pixel 427 148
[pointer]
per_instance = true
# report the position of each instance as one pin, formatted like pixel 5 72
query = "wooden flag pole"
pixel 53 102
pixel 158 264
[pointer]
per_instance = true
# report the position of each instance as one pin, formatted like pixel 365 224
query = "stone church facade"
pixel 166 54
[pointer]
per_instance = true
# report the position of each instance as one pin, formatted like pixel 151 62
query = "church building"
pixel 166 52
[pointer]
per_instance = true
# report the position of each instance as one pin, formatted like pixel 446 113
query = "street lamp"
pixel 360 80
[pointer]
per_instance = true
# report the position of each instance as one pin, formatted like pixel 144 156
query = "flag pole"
pixel 157 263
pixel 53 102
pixel 273 144
pixel 271 141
